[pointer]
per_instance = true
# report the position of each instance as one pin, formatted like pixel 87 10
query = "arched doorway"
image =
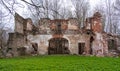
pixel 58 46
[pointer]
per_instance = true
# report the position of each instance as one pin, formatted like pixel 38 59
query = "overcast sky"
pixel 94 2
pixel 22 10
pixel 67 3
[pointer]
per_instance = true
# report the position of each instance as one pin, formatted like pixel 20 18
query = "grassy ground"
pixel 60 63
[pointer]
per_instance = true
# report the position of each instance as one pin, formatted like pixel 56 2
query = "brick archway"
pixel 58 46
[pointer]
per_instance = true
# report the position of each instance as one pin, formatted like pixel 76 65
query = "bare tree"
pixel 65 11
pixel 100 8
pixel 116 16
pixel 109 15
pixel 46 8
pixel 55 7
pixel 117 7
pixel 81 10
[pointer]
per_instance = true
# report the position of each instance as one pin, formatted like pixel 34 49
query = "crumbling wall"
pixel 99 45
pixel 42 41
pixel 118 43
pixel 64 29
pixel 72 40
pixel 73 24
pixel 75 39
pixel 115 40
pixel 44 24
pixel 28 25
pixel 15 41
pixel 97 26
pixel 22 25
pixel 19 21
pixel 63 24
pixel 88 23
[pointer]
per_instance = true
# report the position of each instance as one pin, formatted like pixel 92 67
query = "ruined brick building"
pixel 59 36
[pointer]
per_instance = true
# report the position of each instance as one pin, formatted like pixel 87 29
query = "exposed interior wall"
pixel 74 40
pixel 44 24
pixel 29 25
pixel 73 24
pixel 42 41
pixel 19 21
pixel 118 43
pixel 99 47
pixel 73 43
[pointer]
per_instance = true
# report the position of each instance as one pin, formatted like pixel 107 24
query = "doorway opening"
pixel 111 44
pixel 81 47
pixel 91 43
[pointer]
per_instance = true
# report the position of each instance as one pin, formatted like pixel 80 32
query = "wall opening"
pixel 111 44
pixel 91 43
pixel 35 48
pixel 58 46
pixel 21 51
pixel 81 47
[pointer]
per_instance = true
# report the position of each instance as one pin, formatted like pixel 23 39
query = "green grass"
pixel 60 63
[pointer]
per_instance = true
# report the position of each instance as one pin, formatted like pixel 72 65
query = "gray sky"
pixel 67 3
pixel 22 10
